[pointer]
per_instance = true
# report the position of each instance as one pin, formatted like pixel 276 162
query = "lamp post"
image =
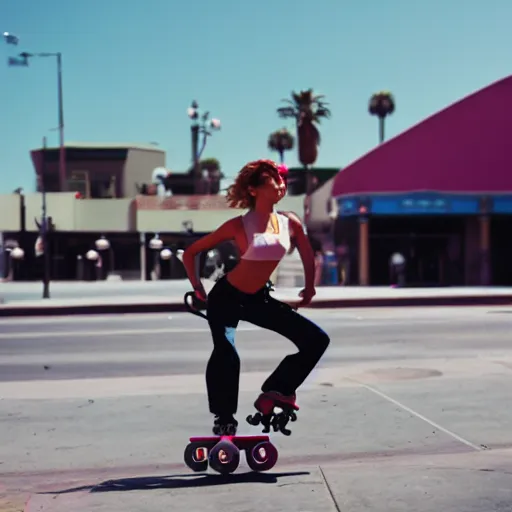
pixel 23 61
pixel 44 230
pixel 93 256
pixel 201 125
pixel 156 245
pixel 102 244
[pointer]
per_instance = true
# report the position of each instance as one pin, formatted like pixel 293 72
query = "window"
pixel 79 182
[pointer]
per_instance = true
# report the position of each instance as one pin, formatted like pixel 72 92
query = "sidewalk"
pixel 167 296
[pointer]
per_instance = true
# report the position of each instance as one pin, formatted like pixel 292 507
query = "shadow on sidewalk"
pixel 178 482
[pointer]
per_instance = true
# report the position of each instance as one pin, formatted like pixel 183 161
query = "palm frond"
pixel 322 112
pixel 286 112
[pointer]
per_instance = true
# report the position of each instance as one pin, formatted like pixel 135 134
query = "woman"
pixel 263 236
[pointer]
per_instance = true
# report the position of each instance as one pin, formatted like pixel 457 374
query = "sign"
pixel 424 205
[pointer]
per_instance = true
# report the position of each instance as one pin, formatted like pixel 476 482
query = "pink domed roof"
pixel 466 147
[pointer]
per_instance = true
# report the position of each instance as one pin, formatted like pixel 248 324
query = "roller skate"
pixel 224 425
pixel 275 410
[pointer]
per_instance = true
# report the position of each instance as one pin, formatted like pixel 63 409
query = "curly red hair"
pixel 251 175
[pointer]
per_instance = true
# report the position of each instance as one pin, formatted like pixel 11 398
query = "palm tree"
pixel 307 109
pixel 381 104
pixel 280 141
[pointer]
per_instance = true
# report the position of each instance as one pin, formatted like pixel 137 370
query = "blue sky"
pixel 131 69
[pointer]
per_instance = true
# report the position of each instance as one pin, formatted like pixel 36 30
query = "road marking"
pixel 417 414
pixel 123 332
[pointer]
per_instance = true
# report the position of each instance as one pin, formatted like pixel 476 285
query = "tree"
pixel 307 110
pixel 280 141
pixel 381 104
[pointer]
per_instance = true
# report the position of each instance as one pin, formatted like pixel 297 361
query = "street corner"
pixel 450 482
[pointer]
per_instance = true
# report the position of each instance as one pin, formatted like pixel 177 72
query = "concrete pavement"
pixel 409 410
pixel 23 299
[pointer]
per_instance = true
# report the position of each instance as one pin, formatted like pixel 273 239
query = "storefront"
pixel 439 194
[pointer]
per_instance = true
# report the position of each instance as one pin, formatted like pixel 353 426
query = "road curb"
pixel 109 309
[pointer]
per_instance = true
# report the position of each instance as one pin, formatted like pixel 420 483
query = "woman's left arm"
pixel 305 251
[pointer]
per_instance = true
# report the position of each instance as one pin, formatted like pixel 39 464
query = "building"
pixel 105 213
pixel 98 171
pixel 440 194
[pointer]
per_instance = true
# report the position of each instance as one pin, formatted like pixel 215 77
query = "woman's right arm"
pixel 226 231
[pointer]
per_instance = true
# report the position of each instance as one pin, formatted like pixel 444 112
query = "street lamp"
pixel 92 255
pixel 17 253
pixel 23 61
pixel 10 38
pixel 156 244
pixel 166 254
pixel 201 125
pixel 102 244
pixel 94 258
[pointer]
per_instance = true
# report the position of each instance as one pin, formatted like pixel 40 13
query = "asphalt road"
pixel 149 345
pixel 408 410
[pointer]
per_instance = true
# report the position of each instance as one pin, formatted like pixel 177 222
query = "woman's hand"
pixel 307 295
pixel 200 293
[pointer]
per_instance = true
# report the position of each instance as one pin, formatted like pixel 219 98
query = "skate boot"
pixel 268 400
pixel 224 425
pixel 266 404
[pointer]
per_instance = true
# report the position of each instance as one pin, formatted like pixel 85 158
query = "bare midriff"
pixel 250 276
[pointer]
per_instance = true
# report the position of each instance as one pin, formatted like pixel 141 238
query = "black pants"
pixel 226 307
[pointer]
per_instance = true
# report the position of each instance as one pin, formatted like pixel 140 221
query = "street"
pixel 408 410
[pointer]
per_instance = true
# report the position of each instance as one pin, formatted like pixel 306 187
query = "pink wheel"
pixel 224 457
pixel 196 457
pixel 262 457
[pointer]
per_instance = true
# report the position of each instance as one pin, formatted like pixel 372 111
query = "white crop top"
pixel 266 246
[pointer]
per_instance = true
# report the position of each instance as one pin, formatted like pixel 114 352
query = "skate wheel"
pixel 196 457
pixel 261 457
pixel 224 457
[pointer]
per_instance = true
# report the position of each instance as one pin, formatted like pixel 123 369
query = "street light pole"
pixel 200 125
pixel 63 182
pixel 44 230
pixel 62 149
pixel 23 61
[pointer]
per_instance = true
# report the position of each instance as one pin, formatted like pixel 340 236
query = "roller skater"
pixel 263 237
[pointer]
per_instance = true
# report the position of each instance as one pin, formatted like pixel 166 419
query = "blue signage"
pixel 424 204
pixel 348 206
pixel 502 204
